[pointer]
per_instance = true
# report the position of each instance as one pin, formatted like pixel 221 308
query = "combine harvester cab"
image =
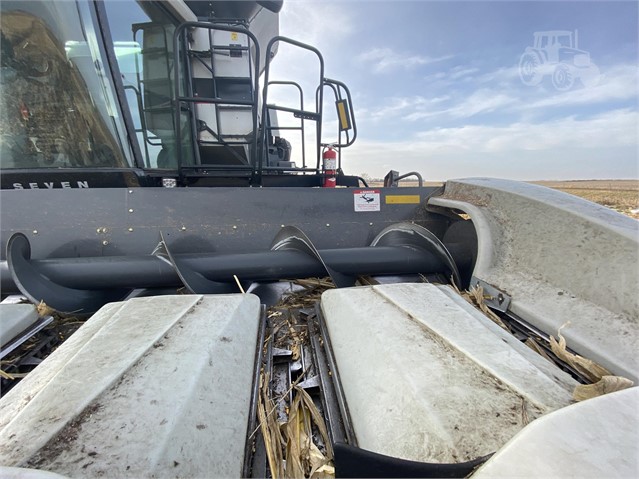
pixel 250 310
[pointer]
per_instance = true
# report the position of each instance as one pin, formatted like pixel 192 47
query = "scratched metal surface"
pixel 109 222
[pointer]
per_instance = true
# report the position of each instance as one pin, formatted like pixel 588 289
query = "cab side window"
pixel 143 41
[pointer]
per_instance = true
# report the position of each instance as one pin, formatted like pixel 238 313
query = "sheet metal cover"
pixel 428 378
pixel 149 387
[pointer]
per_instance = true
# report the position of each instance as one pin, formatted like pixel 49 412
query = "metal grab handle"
pixel 337 86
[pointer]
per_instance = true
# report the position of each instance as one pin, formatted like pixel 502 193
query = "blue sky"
pixel 436 86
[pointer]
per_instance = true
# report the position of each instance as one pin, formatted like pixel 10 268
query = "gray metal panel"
pixel 93 222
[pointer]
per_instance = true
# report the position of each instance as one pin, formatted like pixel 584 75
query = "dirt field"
pixel 619 195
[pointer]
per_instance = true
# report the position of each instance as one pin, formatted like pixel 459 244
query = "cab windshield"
pixel 58 105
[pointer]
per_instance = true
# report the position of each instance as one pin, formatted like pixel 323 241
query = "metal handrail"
pixel 318 99
pixel 301 127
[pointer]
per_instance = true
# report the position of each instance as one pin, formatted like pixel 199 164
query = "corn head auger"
pixel 77 285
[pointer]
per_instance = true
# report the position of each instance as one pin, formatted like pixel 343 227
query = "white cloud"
pixel 325 26
pixel 616 83
pixel 617 128
pixel 501 76
pixel 480 101
pixel 386 60
pixel 405 107
pixel 320 24
pixel 505 95
pixel 418 107
pixel 460 72
pixel 603 146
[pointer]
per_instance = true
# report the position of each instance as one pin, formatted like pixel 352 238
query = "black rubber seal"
pixel 351 461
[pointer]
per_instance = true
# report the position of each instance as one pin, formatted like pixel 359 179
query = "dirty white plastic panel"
pixel 428 378
pixel 156 386
pixel 24 473
pixel 560 258
pixel 595 438
pixel 15 318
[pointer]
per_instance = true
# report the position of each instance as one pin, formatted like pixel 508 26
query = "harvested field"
pixel 619 195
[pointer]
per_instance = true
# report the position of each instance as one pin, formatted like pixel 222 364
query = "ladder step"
pixel 306 115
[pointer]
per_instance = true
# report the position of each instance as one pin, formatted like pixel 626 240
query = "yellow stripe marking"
pixel 402 199
pixel 342 115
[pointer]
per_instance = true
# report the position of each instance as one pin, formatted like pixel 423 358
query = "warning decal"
pixel 366 200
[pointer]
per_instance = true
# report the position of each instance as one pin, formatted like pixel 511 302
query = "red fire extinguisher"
pixel 329 158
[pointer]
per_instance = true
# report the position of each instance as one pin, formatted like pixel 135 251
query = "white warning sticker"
pixel 366 200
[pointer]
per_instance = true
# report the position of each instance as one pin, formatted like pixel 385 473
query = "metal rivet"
pixel 99 230
pixel 370 224
pixel 234 227
pixel 130 229
pixel 328 225
pixel 35 232
pixel 183 228
pixel 282 226
pixel 130 210
pixel 105 242
pixel 130 191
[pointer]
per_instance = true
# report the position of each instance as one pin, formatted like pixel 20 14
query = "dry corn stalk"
pixel 534 345
pixel 317 419
pixel 270 430
pixel 297 442
pixel 325 472
pixel 476 297
pixel 315 283
pixel 588 368
pixel 607 384
pixel 604 381
pixel 44 310
pixel 303 457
